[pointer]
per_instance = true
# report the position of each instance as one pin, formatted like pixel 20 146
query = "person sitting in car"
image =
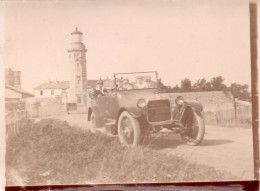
pixel 126 85
pixel 148 83
pixel 141 83
pixel 98 91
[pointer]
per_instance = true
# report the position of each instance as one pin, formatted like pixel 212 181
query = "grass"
pixel 52 152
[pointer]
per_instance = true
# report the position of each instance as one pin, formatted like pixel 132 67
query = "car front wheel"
pixel 129 131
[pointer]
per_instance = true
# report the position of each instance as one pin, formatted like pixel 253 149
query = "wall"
pixel 45 107
pixel 47 93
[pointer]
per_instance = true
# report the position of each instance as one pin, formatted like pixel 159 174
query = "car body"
pixel 146 110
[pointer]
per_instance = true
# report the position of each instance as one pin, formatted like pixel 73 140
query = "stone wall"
pixel 45 107
pixel 38 107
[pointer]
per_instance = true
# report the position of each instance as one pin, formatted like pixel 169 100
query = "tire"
pixel 129 131
pixel 195 130
pixel 93 120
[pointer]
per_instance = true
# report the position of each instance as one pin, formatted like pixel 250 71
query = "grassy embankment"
pixel 52 152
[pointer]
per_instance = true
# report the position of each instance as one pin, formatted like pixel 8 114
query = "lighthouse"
pixel 78 72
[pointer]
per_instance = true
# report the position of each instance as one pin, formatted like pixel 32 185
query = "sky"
pixel 178 38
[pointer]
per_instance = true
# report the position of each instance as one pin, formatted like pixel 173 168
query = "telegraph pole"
pixel 254 84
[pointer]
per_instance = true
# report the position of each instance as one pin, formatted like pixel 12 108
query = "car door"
pixel 105 108
pixel 111 106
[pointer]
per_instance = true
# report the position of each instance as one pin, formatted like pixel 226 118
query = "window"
pixel 41 92
pixel 78 99
pixel 78 79
pixel 52 92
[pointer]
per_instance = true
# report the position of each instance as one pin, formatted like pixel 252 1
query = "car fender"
pixel 132 111
pixel 195 106
pixel 135 112
pixel 99 119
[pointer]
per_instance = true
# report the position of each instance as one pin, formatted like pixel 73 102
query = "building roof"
pixel 76 31
pixel 53 85
pixel 19 90
pixel 66 84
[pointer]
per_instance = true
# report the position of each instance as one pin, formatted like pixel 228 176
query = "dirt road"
pixel 225 148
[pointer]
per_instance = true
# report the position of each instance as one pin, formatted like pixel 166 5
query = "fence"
pixel 227 114
pixel 15 111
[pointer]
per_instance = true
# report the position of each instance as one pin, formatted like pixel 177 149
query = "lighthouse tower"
pixel 78 73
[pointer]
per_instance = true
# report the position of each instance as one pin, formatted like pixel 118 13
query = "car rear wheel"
pixel 195 130
pixel 93 120
pixel 129 131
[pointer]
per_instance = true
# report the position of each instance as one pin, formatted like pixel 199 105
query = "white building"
pixel 78 73
pixel 59 88
pixel 51 89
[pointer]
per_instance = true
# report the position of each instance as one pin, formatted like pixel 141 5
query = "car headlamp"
pixel 179 100
pixel 141 103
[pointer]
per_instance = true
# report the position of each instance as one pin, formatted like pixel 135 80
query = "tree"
pixel 240 91
pixel 199 85
pixel 217 84
pixel 186 85
pixel 176 89
pixel 208 87
pixel 162 87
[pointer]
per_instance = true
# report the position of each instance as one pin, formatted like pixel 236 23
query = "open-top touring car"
pixel 135 108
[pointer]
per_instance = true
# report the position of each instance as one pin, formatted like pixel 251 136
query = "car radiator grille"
pixel 158 110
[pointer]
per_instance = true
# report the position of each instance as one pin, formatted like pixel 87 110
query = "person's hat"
pixel 125 81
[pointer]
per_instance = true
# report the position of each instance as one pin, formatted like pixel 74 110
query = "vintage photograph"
pixel 120 91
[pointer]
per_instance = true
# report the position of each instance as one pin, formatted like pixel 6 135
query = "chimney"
pixel 17 79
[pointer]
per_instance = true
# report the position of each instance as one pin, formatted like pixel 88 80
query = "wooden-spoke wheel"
pixel 129 130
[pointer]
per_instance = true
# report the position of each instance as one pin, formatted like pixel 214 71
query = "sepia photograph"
pixel 120 91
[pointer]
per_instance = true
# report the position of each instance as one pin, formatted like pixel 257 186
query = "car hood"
pixel 130 98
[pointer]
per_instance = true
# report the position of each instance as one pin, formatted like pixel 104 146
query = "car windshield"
pixel 133 81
